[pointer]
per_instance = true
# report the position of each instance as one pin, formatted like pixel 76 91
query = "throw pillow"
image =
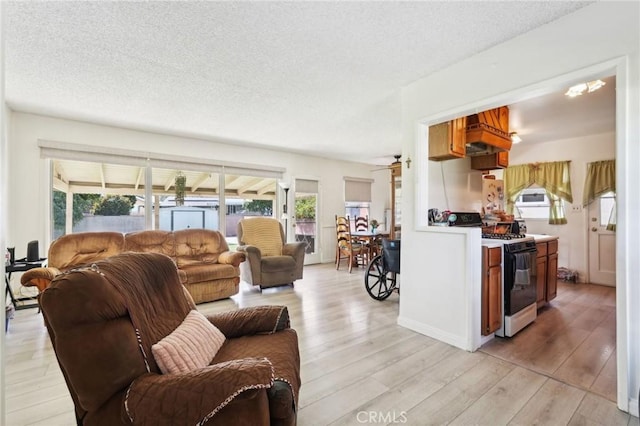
pixel 190 346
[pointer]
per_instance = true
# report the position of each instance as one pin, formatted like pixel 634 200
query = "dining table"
pixel 370 239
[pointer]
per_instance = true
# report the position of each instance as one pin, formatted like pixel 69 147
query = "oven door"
pixel 519 281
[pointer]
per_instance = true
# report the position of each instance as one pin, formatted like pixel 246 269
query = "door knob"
pixel 594 229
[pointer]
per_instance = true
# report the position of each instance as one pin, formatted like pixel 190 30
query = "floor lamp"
pixel 285 187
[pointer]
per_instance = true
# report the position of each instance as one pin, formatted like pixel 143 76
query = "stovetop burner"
pixel 503 236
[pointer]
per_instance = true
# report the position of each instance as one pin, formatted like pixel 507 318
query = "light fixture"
pixel 285 187
pixel 515 138
pixel 590 86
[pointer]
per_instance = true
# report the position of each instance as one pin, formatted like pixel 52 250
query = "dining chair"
pixel 361 223
pixel 346 248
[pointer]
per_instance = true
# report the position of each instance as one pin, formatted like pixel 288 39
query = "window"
pixel 125 191
pixel 357 196
pixel 533 203
pixel 607 202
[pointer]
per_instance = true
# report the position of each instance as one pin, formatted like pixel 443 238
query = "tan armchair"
pixel 270 260
pixel 104 319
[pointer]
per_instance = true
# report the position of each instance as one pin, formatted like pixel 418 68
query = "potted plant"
pixel 374 225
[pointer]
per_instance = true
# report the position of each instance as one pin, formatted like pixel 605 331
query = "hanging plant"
pixel 181 187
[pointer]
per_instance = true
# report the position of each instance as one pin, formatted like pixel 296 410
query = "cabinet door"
pixel 458 142
pixel 541 281
pixel 448 140
pixel 495 299
pixel 552 277
pixel 503 159
pixel 491 290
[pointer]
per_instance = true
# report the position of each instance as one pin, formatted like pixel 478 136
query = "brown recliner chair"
pixel 103 320
pixel 271 261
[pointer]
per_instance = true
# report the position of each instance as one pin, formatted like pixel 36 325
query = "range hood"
pixel 488 132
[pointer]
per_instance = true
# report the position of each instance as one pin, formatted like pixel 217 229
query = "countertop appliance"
pixel 518 284
pixel 468 219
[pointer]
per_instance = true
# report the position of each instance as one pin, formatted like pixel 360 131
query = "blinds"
pixel 357 190
pixel 307 186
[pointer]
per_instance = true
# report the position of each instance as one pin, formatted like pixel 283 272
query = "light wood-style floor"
pixel 573 340
pixel 360 367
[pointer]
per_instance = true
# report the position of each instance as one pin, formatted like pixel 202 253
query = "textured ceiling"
pixel 315 77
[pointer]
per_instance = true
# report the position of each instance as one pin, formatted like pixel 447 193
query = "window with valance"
pixel 600 180
pixel 554 177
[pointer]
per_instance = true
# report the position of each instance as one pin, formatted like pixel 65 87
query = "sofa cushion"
pixel 263 233
pixel 278 264
pixel 190 346
pixel 155 241
pixel 73 250
pixel 195 246
pixel 197 273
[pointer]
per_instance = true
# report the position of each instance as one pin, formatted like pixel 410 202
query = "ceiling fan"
pixel 395 163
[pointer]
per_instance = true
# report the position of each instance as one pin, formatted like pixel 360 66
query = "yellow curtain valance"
pixel 601 178
pixel 553 176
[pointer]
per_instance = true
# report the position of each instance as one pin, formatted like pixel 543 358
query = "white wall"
pixel 602 36
pixel 573 244
pixel 4 184
pixel 28 208
pixel 454 186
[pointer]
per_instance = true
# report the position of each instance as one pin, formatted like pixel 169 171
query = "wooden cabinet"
pixel 498 160
pixel 552 270
pixel 492 303
pixel 546 272
pixel 541 275
pixel 396 200
pixel 448 140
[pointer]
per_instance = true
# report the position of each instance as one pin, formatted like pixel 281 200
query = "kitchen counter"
pixel 542 238
pixel 491 243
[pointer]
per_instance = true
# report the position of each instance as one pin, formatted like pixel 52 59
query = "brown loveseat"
pixel 104 320
pixel 206 266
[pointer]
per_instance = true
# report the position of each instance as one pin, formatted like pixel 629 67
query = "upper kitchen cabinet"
pixel 484 134
pixel 499 160
pixel 447 140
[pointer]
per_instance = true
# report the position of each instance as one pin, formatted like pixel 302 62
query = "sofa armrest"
pixel 265 319
pixel 197 396
pixel 39 277
pixel 234 258
pixel 295 250
pixel 254 259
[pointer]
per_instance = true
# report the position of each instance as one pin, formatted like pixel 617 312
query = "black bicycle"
pixel 381 278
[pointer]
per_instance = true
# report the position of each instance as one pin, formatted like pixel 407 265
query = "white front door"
pixel 304 218
pixel 602 243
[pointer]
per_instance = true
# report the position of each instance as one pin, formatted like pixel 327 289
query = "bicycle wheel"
pixel 379 282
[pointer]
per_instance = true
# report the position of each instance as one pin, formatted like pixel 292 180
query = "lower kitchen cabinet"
pixel 492 303
pixel 552 270
pixel 546 272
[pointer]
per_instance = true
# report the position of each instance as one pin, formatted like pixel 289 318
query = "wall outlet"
pixel 577 208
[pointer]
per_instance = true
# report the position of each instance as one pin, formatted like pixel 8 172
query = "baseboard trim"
pixel 436 333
